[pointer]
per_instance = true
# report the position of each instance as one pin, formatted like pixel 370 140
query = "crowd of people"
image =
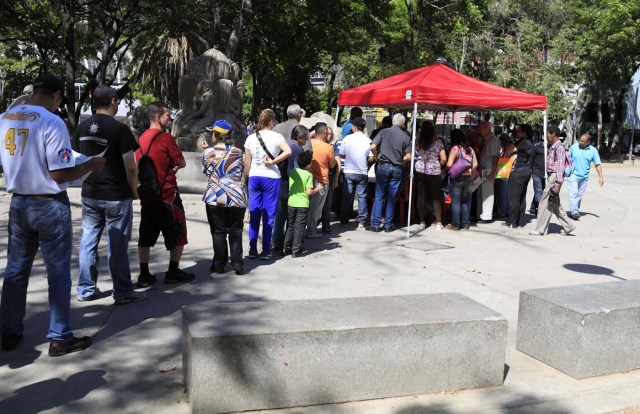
pixel 289 178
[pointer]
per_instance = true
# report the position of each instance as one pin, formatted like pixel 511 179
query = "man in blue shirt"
pixel 356 112
pixel 582 154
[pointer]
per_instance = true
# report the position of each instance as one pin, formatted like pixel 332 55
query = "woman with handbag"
pixel 503 171
pixel 225 197
pixel 519 178
pixel 429 159
pixel 462 163
pixel 263 151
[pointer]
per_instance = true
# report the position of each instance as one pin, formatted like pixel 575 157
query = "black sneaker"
pixel 11 341
pixel 286 252
pixel 57 348
pixel 374 229
pixel 253 253
pixel 179 277
pixel 265 256
pixel 131 297
pixel 145 280
pixel 238 269
pixel 389 229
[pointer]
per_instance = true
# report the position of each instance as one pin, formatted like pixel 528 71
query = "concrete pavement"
pixel 134 364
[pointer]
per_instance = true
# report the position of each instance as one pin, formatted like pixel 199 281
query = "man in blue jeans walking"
pixel 582 154
pixel 392 147
pixel 107 198
pixel 37 162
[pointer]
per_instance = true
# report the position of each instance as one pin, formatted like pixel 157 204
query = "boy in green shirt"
pixel 300 188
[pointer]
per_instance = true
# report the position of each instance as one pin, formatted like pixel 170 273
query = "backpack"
pixel 149 190
pixel 568 164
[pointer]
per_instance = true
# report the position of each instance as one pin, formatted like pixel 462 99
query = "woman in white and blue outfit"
pixel 261 166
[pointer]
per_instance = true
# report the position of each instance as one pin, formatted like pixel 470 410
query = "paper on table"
pixel 81 159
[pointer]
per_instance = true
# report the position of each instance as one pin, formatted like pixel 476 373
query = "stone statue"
pixel 138 121
pixel 22 99
pixel 210 90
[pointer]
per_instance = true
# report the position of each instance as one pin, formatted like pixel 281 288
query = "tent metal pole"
pixel 544 136
pixel 413 153
pixel 335 123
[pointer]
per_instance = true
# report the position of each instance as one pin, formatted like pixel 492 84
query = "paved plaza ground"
pixel 135 362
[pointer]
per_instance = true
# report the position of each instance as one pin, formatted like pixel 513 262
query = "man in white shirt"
pixel 487 165
pixel 356 152
pixel 38 162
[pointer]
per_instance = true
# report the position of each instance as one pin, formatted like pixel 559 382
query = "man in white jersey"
pixel 37 162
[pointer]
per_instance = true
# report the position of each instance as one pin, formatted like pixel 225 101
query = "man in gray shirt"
pixel 391 146
pixel 487 164
pixel 294 114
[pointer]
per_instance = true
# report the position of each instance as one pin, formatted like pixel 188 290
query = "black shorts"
pixel 167 218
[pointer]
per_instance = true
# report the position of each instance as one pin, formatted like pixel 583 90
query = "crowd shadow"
pixel 52 393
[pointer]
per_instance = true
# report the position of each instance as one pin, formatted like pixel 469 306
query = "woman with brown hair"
pixel 430 156
pixel 263 151
pixel 459 187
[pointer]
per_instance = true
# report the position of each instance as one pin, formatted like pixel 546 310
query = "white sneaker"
pixel 568 232
pixel 361 226
pixel 535 233
pixel 439 226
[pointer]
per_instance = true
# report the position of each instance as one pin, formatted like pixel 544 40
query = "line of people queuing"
pixel 286 182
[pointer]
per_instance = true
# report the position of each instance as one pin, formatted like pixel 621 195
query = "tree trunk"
pixel 234 38
pixel 68 22
pixel 579 121
pixel 600 123
pixel 332 80
pixel 612 139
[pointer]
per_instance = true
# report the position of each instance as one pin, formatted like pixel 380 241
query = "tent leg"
pixel 335 123
pixel 544 136
pixel 413 152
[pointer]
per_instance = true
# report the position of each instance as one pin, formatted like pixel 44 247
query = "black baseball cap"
pixel 359 122
pixel 51 83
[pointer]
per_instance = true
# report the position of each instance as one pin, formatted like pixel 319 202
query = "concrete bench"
pixel 583 330
pixel 261 355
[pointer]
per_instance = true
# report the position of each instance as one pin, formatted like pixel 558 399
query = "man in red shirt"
pixel 166 216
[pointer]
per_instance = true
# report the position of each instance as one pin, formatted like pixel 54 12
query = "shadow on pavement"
pixel 28 399
pixel 591 269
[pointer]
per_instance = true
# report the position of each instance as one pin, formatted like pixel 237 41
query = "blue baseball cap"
pixel 220 126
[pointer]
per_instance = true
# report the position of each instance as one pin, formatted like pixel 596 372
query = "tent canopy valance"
pixel 440 88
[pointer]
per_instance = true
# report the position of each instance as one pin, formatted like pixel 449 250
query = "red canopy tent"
pixel 439 88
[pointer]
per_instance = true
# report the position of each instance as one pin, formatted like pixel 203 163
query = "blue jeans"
pixel 538 188
pixel 263 198
pixel 282 210
pixel 46 223
pixel 577 187
pixel 354 184
pixel 117 217
pixel 388 179
pixel 460 200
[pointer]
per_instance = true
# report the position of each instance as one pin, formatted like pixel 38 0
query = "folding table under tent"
pixel 439 88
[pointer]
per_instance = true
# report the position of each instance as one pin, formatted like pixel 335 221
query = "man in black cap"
pixel 38 162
